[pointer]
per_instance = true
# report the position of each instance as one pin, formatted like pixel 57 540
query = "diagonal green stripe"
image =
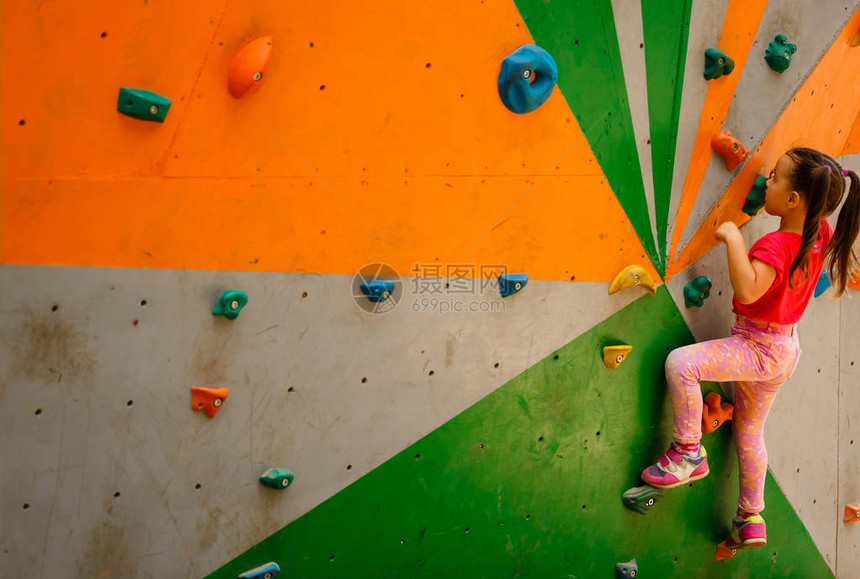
pixel 666 28
pixel 582 39
pixel 528 483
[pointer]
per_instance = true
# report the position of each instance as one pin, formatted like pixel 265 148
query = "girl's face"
pixel 779 195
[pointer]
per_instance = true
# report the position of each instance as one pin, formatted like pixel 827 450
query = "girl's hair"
pixel 820 180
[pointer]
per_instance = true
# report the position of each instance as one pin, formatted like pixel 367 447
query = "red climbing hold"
pixel 714 413
pixel 852 513
pixel 725 552
pixel 730 148
pixel 208 399
pixel 248 67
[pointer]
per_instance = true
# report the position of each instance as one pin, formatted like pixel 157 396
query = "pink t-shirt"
pixel 781 304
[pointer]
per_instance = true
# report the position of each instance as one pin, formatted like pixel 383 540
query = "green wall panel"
pixel 666 27
pixel 527 483
pixel 581 38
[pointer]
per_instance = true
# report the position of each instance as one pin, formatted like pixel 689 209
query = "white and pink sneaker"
pixel 675 468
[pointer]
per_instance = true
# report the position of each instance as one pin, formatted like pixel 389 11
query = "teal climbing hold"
pixel 142 104
pixel 697 291
pixel 230 304
pixel 755 198
pixel 267 571
pixel 717 64
pixel 823 283
pixel 626 570
pixel 641 499
pixel 778 53
pixel 277 478
pixel 377 291
pixel 511 283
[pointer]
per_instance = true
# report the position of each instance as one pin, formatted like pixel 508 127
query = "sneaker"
pixel 674 468
pixel 747 533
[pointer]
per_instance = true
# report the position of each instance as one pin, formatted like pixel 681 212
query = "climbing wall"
pixel 445 430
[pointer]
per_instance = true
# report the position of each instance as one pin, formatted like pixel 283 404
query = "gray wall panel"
pixel 82 364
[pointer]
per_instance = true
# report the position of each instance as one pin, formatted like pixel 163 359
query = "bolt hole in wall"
pixel 130 403
pixel 38 411
pixel 116 495
pixel 198 486
pixel 22 122
pixel 143 303
pixel 364 380
pixel 349 467
pixel 55 307
pixel 26 506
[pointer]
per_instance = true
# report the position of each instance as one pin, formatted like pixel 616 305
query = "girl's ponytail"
pixel 817 188
pixel 841 258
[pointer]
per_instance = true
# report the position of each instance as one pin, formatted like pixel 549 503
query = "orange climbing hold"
pixel 730 148
pixel 714 413
pixel 208 399
pixel 852 513
pixel 248 66
pixel 725 552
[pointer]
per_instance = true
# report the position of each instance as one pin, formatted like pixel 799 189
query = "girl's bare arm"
pixel 750 279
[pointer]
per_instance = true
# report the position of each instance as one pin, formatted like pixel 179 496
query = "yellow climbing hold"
pixel 614 355
pixel 630 276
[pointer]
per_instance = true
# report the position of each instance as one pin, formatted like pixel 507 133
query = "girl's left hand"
pixel 728 231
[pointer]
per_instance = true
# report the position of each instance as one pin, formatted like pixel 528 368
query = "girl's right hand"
pixel 728 231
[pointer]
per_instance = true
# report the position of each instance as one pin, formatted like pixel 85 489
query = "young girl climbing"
pixel 772 286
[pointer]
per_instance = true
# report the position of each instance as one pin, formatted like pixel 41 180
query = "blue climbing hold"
pixel 626 570
pixel 527 78
pixel 511 283
pixel 377 291
pixel 823 283
pixel 267 571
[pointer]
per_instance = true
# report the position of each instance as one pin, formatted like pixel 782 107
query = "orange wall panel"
pixel 385 132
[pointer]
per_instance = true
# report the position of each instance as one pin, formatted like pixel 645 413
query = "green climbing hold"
pixel 641 499
pixel 755 198
pixel 697 291
pixel 778 53
pixel 277 478
pixel 142 104
pixel 230 304
pixel 717 64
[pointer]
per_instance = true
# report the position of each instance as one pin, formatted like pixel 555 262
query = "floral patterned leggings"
pixel 758 357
